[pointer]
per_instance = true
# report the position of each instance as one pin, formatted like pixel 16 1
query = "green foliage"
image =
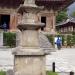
pixel 51 73
pixel 63 39
pixel 61 16
pixel 73 33
pixel 9 39
pixel 51 38
pixel 69 40
pixel 73 39
pixel 2 73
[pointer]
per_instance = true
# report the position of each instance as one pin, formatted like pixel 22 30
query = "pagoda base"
pixel 30 62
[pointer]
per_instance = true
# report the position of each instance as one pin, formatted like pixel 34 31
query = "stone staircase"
pixel 44 43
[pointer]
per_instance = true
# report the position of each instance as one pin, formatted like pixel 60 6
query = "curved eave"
pixel 66 24
pixel 55 4
pixel 10 3
pixel 68 2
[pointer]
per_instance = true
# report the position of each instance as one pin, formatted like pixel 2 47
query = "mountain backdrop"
pixel 71 8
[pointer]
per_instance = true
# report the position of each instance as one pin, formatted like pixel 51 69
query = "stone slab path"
pixel 64 59
pixel 6 59
pixel 63 73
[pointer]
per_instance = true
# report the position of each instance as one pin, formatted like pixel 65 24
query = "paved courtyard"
pixel 6 59
pixel 64 59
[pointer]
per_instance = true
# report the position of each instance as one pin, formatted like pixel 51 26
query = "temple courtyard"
pixel 63 58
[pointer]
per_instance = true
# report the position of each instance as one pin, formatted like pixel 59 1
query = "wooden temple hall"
pixel 67 27
pixel 9 15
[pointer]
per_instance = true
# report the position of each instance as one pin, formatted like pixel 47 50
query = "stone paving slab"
pixel 64 59
pixel 6 59
pixel 63 73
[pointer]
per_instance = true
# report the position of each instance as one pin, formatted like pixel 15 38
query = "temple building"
pixel 9 15
pixel 67 27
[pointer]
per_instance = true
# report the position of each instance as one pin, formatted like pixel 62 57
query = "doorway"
pixel 43 20
pixel 4 19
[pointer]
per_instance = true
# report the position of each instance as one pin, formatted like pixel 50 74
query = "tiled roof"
pixel 49 3
pixel 55 4
pixel 67 21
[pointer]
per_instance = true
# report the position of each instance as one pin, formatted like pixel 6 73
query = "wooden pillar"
pixel 48 23
pixel 13 21
pixel 54 21
pixel 72 28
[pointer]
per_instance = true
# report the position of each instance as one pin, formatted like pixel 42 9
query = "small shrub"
pixel 63 39
pixel 51 73
pixel 69 40
pixel 9 39
pixel 2 73
pixel 73 39
pixel 73 33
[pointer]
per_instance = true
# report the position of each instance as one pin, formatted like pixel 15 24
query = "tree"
pixel 61 16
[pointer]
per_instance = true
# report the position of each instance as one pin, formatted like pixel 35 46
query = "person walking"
pixel 5 26
pixel 59 42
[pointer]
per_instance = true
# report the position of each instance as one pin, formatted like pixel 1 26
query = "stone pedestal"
pixel 30 38
pixel 29 56
pixel 29 61
pixel 30 65
pixel 1 38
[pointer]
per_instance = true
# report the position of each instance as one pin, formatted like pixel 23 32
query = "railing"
pixel 56 68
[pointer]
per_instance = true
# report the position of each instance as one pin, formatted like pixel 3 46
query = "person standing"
pixel 59 43
pixel 5 26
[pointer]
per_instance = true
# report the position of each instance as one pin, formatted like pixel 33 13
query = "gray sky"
pixel 71 8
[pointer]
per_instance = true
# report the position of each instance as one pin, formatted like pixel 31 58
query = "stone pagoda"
pixel 29 56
